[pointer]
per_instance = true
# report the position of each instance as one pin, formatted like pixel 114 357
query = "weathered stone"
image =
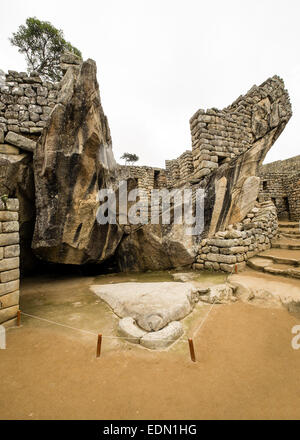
pixel 163 338
pixel 219 258
pixel 8 149
pixel 128 329
pixel 151 305
pixel 10 226
pixel 9 263
pixel 66 228
pixel 12 251
pixel 8 314
pixel 9 300
pixel 219 294
pixel 9 275
pixel 9 238
pixel 11 286
pixel 8 216
pixel 20 141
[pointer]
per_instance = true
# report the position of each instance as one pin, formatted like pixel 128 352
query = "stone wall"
pixel 240 241
pixel 180 170
pixel 280 182
pixel 9 261
pixel 147 178
pixel 25 103
pixel 221 135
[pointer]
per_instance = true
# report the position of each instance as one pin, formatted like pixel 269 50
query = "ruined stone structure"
pixel 221 135
pixel 25 105
pixel 9 261
pixel 280 182
pixel 56 154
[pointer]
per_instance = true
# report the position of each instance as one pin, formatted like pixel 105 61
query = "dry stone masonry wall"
pixel 26 102
pixel 240 241
pixel 218 136
pixel 9 261
pixel 280 182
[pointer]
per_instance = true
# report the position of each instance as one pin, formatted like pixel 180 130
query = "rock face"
pixel 72 161
pixel 156 247
pixel 229 146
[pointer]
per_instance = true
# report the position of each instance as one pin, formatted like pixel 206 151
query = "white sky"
pixel 161 60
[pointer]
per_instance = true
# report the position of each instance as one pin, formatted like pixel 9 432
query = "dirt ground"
pixel 245 369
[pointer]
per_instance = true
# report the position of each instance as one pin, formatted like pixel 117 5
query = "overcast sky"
pixel 161 60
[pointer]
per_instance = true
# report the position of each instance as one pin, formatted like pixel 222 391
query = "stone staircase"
pixel 284 256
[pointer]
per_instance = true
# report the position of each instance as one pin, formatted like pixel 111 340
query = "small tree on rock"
pixel 130 158
pixel 42 45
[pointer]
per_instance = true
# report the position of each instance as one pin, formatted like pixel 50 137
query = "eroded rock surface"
pixel 72 161
pixel 151 305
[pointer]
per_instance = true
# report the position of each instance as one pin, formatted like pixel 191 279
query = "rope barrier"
pixel 100 336
pixel 92 333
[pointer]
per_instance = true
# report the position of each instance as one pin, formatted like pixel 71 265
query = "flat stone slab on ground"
pixel 151 305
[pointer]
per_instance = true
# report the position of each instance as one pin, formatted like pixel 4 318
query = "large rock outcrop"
pixel 230 186
pixel 72 161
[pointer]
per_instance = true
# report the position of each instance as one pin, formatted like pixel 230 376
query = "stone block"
pixel 8 313
pixel 11 251
pixel 9 275
pixel 8 216
pixel 219 258
pixel 227 267
pixel 9 264
pixel 12 226
pixel 20 141
pixel 198 266
pixel 10 205
pixel 9 300
pixel 224 243
pixel 9 238
pixel 8 149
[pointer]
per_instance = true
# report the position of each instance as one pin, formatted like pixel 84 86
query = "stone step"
pixel 267 265
pixel 288 224
pixel 282 256
pixel 292 231
pixel 286 244
pixel 290 235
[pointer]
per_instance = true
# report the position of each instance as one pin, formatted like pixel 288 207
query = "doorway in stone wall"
pixel 285 211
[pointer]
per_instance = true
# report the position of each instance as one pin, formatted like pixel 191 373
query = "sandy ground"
pixel 245 369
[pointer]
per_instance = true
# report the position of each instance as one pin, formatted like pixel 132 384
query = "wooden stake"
pixel 99 345
pixel 192 351
pixel 236 268
pixel 18 318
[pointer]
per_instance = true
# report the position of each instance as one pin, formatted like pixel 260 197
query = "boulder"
pixel 156 247
pixel 151 305
pixel 219 294
pixel 72 162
